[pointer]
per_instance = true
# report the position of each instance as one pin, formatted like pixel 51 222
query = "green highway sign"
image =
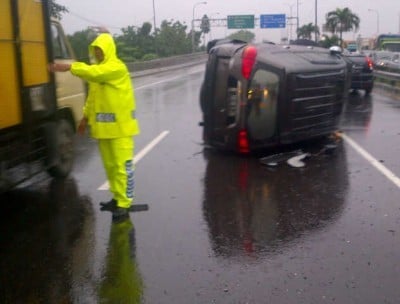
pixel 240 21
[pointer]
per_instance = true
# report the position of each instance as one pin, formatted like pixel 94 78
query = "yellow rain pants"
pixel 117 156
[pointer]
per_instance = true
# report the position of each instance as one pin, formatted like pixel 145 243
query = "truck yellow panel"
pixel 34 64
pixel 10 111
pixel 33 47
pixel 6 30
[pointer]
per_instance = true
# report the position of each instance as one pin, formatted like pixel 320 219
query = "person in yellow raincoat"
pixel 110 112
pixel 121 281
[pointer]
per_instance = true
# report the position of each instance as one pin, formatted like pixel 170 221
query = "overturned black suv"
pixel 257 96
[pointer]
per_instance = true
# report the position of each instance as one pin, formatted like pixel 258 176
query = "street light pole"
pixel 194 6
pixel 297 15
pixel 154 17
pixel 155 27
pixel 291 20
pixel 377 19
pixel 316 20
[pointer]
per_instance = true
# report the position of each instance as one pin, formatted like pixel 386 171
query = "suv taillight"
pixel 243 142
pixel 370 63
pixel 248 59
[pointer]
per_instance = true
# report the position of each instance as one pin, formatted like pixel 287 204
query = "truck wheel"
pixel 368 90
pixel 64 150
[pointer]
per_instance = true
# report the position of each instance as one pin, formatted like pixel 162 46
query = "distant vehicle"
pixel 256 96
pixel 351 45
pixel 388 42
pixel 394 64
pixel 387 61
pixel 306 42
pixel 381 59
pixel 362 68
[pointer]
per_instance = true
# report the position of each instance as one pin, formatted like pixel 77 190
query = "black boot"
pixel 120 214
pixel 108 206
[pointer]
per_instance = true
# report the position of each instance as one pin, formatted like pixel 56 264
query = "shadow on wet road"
pixel 46 243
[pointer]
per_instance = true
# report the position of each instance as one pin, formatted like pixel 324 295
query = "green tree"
pixel 56 10
pixel 342 20
pixel 307 30
pixel 146 41
pixel 128 53
pixel 243 35
pixel 139 43
pixel 128 44
pixel 172 39
pixel 129 35
pixel 80 42
pixel 328 41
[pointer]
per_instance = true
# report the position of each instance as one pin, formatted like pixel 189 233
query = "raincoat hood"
pixel 110 104
pixel 106 42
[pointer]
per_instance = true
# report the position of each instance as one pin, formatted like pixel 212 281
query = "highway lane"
pixel 220 228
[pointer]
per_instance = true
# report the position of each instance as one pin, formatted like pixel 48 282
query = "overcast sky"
pixel 115 14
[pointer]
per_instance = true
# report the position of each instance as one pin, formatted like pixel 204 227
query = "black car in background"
pixel 380 57
pixel 257 96
pixel 386 61
pixel 362 68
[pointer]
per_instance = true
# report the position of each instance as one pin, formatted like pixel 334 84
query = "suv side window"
pixel 60 50
pixel 262 98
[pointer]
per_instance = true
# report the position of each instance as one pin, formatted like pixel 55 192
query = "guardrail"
pixel 388 81
pixel 143 68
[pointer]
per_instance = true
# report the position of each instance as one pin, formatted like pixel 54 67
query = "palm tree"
pixel 306 30
pixel 342 20
pixel 327 41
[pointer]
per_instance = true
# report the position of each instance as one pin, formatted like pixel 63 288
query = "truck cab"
pixel 70 90
pixel 39 110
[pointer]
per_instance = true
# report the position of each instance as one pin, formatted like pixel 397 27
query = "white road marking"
pixel 373 161
pixel 141 154
pixel 150 146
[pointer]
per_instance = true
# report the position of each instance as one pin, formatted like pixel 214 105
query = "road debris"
pixel 297 161
pixel 274 159
pixel 296 158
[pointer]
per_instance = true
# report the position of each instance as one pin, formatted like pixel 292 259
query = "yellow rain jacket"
pixel 110 105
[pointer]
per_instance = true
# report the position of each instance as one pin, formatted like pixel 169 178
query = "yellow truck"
pixel 39 111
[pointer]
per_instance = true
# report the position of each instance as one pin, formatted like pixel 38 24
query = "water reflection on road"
pixel 255 210
pixel 358 112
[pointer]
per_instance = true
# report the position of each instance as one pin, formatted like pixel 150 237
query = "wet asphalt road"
pixel 220 228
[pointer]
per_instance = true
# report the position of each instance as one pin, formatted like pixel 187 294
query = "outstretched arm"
pixel 59 67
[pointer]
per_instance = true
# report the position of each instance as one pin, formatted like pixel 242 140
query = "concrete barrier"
pixel 144 68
